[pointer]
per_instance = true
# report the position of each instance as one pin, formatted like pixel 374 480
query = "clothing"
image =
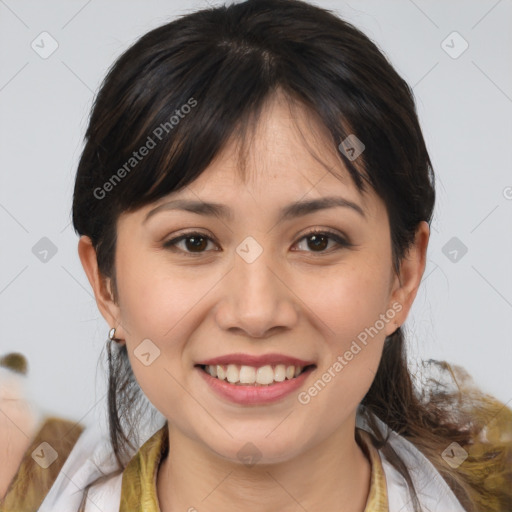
pixel 139 495
pixel 135 489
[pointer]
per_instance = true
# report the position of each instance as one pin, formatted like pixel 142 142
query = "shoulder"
pixel 92 470
pixel 90 459
pixel 475 457
pixel 486 461
pixel 432 491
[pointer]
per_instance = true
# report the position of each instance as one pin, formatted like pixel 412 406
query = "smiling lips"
pixel 256 370
pixel 247 375
pixel 254 379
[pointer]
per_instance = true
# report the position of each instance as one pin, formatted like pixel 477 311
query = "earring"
pixel 111 336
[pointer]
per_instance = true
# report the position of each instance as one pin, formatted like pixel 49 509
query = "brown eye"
pixel 192 243
pixel 196 243
pixel 318 241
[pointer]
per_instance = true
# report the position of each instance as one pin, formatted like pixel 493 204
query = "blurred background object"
pixel 19 419
pixel 15 362
pixel 34 444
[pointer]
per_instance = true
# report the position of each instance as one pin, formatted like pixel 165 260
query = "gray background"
pixel 463 311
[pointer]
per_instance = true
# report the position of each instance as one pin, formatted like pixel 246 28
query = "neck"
pixel 334 475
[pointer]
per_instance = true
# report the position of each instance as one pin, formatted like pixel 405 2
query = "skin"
pixel 293 299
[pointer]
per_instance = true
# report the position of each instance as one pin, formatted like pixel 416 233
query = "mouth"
pixel 255 376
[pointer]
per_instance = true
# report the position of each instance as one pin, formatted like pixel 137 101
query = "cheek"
pixel 351 351
pixel 350 308
pixel 347 300
pixel 160 306
pixel 154 299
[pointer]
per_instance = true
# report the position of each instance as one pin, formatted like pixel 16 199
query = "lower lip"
pixel 247 395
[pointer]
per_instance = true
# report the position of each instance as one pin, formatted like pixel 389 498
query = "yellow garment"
pixel 138 491
pixel 33 480
pixel 488 466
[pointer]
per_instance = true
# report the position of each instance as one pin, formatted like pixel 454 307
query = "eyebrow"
pixel 293 210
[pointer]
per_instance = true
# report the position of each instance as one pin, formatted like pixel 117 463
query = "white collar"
pixel 433 492
pixel 91 456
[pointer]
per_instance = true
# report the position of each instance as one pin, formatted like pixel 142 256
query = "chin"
pixel 258 449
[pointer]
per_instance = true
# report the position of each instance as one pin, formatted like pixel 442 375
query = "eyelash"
pixel 342 242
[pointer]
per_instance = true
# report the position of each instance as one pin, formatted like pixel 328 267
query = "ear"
pixel 101 285
pixel 405 285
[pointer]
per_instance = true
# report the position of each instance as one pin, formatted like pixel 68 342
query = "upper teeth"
pixel 251 375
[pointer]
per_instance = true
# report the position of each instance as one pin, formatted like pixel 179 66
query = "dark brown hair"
pixel 225 63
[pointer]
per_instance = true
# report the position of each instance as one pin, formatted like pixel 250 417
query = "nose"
pixel 256 300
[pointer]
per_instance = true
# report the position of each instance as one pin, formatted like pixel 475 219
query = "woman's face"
pixel 259 283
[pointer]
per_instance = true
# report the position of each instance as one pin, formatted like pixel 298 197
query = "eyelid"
pixel 171 243
pixel 341 240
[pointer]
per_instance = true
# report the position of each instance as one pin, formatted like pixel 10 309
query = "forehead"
pixel 282 156
pixel 286 155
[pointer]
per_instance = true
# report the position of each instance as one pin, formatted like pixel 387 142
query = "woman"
pixel 253 203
